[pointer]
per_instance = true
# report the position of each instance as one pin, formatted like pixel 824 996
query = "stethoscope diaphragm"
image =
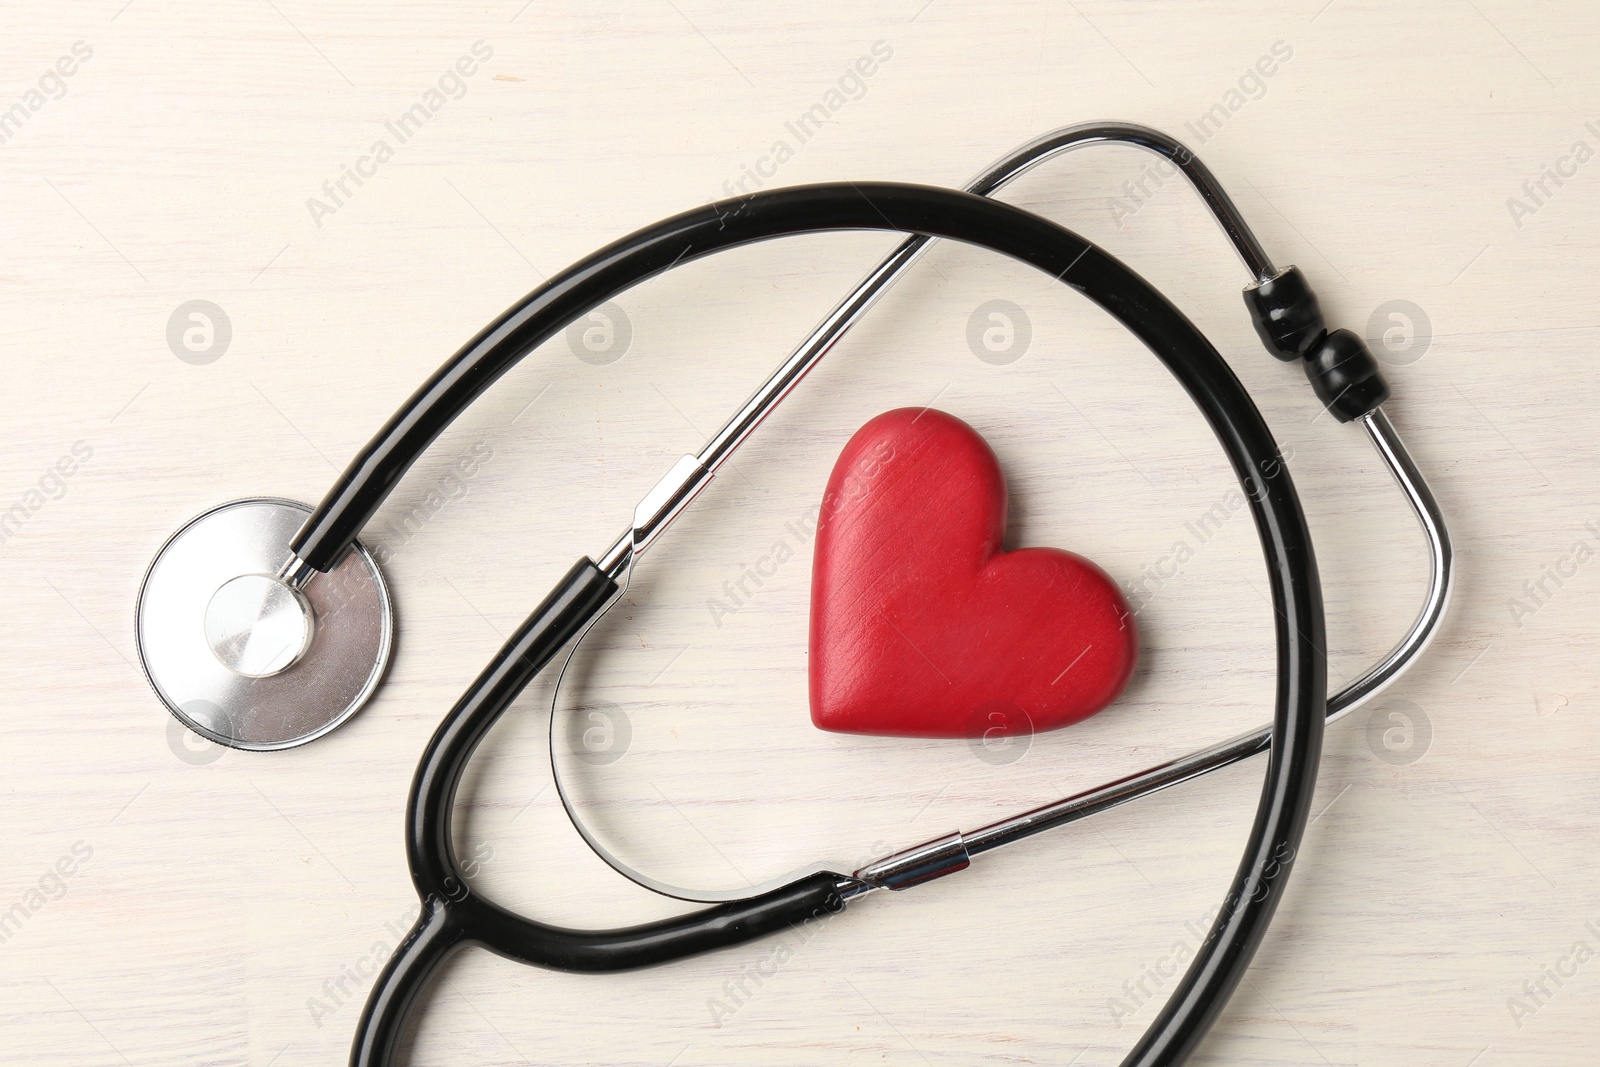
pixel 243 656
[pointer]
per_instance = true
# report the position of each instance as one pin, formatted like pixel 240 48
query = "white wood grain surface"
pixel 219 903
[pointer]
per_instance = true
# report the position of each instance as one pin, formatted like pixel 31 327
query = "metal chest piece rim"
pixel 251 658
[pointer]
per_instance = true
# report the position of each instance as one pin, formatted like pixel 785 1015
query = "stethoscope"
pixel 263 624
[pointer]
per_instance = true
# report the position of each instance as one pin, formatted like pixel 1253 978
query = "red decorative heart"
pixel 921 626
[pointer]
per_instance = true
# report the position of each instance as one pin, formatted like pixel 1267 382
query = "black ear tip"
pixel 1342 370
pixel 1345 376
pixel 1285 313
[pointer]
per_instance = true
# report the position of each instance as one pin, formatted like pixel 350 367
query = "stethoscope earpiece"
pixel 247 653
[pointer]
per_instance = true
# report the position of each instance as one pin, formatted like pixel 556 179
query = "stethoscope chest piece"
pixel 241 652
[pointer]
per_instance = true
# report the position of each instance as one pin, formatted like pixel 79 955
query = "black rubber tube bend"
pixel 453 914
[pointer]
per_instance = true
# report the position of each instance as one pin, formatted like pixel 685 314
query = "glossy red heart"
pixel 921 626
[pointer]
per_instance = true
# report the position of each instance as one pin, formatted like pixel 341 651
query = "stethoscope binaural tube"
pixel 453 914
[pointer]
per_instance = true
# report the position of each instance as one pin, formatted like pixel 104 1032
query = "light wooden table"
pixel 220 902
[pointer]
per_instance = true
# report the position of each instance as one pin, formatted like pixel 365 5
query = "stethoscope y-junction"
pixel 262 627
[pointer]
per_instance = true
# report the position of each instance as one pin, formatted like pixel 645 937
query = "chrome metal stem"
pixel 295 573
pixel 614 561
pixel 1441 569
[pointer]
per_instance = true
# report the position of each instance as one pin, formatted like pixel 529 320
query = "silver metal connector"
pixel 296 573
pixel 914 866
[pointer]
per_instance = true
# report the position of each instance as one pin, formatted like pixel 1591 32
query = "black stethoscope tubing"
pixel 453 914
